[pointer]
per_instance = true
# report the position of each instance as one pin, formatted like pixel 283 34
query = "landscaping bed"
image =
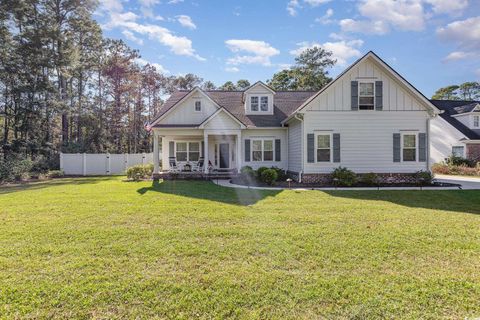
pixel 294 184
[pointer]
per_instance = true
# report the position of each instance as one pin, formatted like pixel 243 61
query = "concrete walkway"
pixel 467 183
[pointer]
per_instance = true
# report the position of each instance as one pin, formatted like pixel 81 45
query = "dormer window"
pixel 259 103
pixel 476 121
pixel 366 96
pixel 254 103
pixel 198 106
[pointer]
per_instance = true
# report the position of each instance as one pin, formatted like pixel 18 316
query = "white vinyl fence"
pixel 101 163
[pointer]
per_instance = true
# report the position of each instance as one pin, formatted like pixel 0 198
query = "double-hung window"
pixel 324 148
pixel 366 96
pixel 182 153
pixel 254 103
pixel 409 147
pixel 193 151
pixel 262 150
pixel 476 121
pixel 188 151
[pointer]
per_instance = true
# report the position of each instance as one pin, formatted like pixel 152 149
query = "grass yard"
pixel 102 248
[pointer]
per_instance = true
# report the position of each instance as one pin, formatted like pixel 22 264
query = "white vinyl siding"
pixel 295 146
pixel 443 136
pixel 366 139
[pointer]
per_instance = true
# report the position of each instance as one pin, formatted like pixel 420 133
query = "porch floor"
pixel 189 175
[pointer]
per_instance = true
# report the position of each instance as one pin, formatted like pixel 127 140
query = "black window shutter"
pixel 336 147
pixel 247 150
pixel 422 147
pixel 396 147
pixel 202 152
pixel 171 148
pixel 278 151
pixel 354 95
pixel 379 95
pixel 310 148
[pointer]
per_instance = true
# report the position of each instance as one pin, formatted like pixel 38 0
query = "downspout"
pixel 300 174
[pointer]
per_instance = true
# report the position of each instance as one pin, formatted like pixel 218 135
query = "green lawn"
pixel 103 248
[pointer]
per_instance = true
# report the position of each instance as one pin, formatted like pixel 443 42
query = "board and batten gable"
pixel 184 112
pixel 221 120
pixel 365 138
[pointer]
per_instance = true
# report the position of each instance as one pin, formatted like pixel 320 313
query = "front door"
pixel 224 155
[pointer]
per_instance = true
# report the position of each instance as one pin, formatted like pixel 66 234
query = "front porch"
pixel 197 154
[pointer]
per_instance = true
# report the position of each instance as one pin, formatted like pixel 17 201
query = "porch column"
pixel 156 158
pixel 239 151
pixel 205 152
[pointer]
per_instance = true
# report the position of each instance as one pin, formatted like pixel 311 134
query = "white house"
pixel 456 131
pixel 369 119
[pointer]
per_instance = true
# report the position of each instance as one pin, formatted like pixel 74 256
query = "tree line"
pixel 65 87
pixel 468 91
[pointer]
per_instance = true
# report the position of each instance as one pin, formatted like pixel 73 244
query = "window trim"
pixel 195 106
pixel 263 149
pixel 259 103
pixel 463 150
pixel 402 135
pixel 330 134
pixel 188 150
pixel 358 93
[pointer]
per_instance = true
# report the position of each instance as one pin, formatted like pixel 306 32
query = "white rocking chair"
pixel 173 164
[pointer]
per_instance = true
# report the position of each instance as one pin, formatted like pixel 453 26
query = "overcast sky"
pixel 432 43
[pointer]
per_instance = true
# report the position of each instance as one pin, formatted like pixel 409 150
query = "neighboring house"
pixel 369 119
pixel 456 131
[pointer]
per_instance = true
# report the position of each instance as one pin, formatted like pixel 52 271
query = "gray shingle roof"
pixel 454 107
pixel 285 103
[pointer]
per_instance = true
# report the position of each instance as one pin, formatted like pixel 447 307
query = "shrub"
pixel 269 176
pixel 40 165
pixel 281 175
pixel 458 161
pixel 247 175
pixel 248 171
pixel 370 179
pixel 15 169
pixel 260 171
pixel 424 177
pixel 55 174
pixel 140 172
pixel 441 168
pixel 344 177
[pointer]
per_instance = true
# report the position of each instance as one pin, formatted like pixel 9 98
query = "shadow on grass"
pixel 34 185
pixel 465 201
pixel 209 191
